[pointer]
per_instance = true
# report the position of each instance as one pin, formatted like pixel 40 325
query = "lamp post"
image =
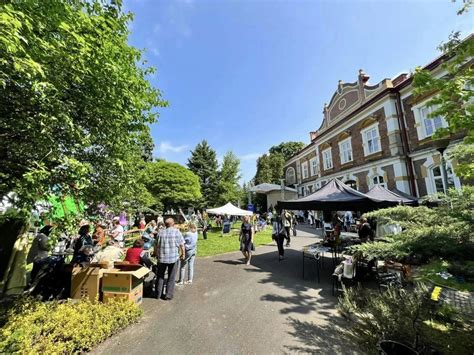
pixel 440 145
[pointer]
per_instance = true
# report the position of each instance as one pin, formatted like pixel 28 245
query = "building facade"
pixel 375 135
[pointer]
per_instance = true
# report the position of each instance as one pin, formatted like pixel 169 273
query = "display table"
pixel 315 252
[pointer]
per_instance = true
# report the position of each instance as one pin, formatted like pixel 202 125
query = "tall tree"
pixel 287 149
pixel 453 96
pixel 75 102
pixel 171 185
pixel 228 186
pixel 203 162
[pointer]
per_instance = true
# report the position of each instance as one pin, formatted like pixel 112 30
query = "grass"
pixel 429 271
pixel 216 244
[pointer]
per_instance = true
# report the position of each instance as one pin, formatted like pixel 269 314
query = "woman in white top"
pixel 117 232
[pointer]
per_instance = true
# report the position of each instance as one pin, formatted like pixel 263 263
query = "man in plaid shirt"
pixel 169 243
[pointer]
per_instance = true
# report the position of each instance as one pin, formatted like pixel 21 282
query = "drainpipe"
pixel 406 146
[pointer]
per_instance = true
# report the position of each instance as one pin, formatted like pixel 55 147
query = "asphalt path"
pixel 231 308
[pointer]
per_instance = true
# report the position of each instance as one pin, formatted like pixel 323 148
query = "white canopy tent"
pixel 230 210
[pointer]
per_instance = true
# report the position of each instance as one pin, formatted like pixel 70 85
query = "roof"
pixel 230 210
pixel 334 196
pixel 266 188
pixel 381 193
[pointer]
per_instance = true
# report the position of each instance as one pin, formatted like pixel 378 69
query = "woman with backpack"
pixel 246 239
pixel 279 236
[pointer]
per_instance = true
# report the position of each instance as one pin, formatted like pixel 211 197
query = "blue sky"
pixel 249 74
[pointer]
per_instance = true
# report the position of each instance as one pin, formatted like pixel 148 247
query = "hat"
pixel 83 223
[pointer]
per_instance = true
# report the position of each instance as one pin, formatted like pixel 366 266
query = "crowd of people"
pixel 175 250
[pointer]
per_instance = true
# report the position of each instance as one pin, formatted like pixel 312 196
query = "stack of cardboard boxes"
pixel 124 281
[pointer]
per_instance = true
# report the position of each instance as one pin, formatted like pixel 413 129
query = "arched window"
pixel 290 176
pixel 352 184
pixel 378 180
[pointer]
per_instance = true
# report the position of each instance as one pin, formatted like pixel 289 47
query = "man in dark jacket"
pixel 39 251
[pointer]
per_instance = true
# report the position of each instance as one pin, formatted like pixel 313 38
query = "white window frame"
pixel 327 163
pixel 421 119
pixel 313 163
pixel 304 170
pixel 346 159
pixel 365 142
pixel 450 175
pixel 378 177
pixel 293 180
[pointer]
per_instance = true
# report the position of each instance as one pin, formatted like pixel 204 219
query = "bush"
pixel 406 316
pixel 442 232
pixel 33 327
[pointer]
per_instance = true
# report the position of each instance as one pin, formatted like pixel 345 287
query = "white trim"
pixel 365 143
pixel 341 152
pixel 324 159
pixel 311 163
pixel 304 168
pixel 294 175
pixel 429 164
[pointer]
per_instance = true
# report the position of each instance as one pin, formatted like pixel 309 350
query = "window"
pixel 372 140
pixel 327 159
pixel 352 184
pixel 304 170
pixel 437 178
pixel 430 125
pixel 314 166
pixel 345 149
pixel 378 180
pixel 302 191
pixel 290 176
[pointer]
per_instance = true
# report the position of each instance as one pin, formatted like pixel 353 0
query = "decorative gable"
pixel 349 97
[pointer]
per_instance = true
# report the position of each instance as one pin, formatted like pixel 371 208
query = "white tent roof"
pixel 266 188
pixel 229 209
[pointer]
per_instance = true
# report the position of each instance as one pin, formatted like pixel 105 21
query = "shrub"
pixel 406 316
pixel 442 232
pixel 34 327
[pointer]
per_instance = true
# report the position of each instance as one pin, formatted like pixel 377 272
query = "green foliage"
pixel 228 185
pixel 33 327
pixel 287 149
pixel 75 102
pixel 454 94
pixel 465 269
pixel 203 163
pixel 171 184
pixel 442 232
pixel 401 315
pixel 270 166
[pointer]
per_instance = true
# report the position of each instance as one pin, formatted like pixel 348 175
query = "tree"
pixel 171 184
pixel 203 162
pixel 75 102
pixel 270 166
pixel 287 149
pixel 454 96
pixel 229 175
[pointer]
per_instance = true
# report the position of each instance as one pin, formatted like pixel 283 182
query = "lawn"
pixel 430 272
pixel 216 244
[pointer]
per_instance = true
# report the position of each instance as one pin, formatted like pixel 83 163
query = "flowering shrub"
pixel 33 327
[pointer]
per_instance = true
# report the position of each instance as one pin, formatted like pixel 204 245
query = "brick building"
pixel 375 135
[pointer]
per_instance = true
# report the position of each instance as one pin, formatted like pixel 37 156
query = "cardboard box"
pixel 123 278
pixel 135 296
pixel 85 282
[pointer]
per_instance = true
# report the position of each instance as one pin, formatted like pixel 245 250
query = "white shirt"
pixel 348 216
pixel 118 232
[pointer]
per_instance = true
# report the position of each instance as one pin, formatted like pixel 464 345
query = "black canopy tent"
pixel 336 196
pixel 381 193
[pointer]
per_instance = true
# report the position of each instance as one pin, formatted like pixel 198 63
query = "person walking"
pixel 246 239
pixel 279 235
pixel 286 221
pixel 190 246
pixel 347 221
pixel 169 245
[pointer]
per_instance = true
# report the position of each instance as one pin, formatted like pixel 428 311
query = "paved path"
pixel 231 308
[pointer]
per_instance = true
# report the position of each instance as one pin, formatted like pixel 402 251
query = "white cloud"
pixel 250 156
pixel 166 147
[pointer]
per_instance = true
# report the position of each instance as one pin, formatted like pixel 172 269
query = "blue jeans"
pixel 188 263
